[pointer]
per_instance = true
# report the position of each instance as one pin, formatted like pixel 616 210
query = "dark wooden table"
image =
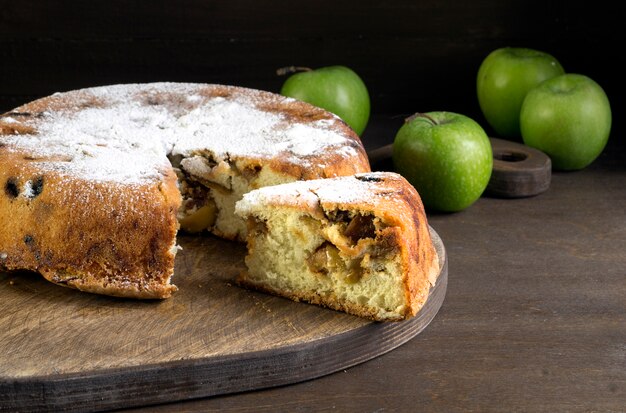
pixel 534 319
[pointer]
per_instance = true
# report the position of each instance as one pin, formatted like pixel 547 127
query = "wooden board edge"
pixel 197 378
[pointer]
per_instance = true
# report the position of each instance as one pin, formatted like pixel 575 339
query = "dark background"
pixel 413 55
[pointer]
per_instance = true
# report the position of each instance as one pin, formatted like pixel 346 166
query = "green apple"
pixel 337 89
pixel 569 118
pixel 446 156
pixel 504 78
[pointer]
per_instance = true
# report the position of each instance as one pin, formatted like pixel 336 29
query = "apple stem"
pixel 420 115
pixel 292 69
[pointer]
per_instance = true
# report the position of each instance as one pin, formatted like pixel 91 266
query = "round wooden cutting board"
pixel 72 351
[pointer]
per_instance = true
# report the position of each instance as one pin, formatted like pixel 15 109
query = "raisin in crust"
pixel 100 237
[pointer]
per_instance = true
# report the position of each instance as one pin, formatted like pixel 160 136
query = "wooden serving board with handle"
pixel 519 171
pixel 63 350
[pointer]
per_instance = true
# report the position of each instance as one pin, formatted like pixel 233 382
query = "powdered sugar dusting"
pixel 124 133
pixel 235 128
pixel 360 188
pixel 89 144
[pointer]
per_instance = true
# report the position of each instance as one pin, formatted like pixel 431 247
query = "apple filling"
pixel 335 258
pixel 350 249
pixel 327 260
pixel 210 187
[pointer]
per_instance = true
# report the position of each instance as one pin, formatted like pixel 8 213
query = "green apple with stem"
pixel 337 89
pixel 504 78
pixel 569 118
pixel 446 156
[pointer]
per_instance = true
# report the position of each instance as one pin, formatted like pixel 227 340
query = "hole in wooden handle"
pixel 509 156
pixel 518 170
